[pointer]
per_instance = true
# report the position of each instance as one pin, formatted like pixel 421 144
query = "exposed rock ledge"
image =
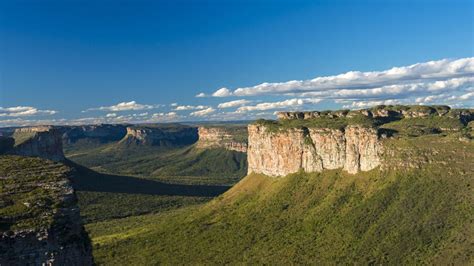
pixel 171 135
pixel 42 141
pixel 219 137
pixel 312 150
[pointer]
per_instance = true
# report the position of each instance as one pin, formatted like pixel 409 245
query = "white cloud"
pixel 279 105
pixel 222 92
pixel 233 103
pixel 111 115
pixel 420 72
pixel 204 112
pixel 467 96
pixel 18 111
pixel 366 104
pixel 201 95
pixel 125 106
pixel 174 104
pixel 190 107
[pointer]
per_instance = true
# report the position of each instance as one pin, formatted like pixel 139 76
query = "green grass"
pixel 178 165
pixel 397 215
pixel 29 194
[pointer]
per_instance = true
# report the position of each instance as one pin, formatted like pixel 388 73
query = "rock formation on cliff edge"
pixel 233 139
pixel 315 141
pixel 312 150
pixel 166 135
pixel 42 141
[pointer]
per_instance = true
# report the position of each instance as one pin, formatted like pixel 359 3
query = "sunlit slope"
pixel 418 210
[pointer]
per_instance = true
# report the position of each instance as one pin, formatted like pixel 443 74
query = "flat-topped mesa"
pixel 279 153
pixel 101 133
pixel 385 111
pixel 220 137
pixel 154 135
pixel 41 141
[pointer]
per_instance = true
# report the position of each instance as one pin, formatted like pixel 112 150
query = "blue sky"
pixel 145 61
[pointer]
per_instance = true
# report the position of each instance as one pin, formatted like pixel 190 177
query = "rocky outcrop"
pixel 43 141
pixel 279 153
pixel 42 225
pixel 101 133
pixel 176 135
pixel 221 137
pixel 386 111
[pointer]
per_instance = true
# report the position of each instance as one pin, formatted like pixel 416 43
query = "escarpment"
pixel 42 141
pixel 234 139
pixel 354 149
pixel 351 140
pixel 102 133
pixel 172 135
pixel 39 218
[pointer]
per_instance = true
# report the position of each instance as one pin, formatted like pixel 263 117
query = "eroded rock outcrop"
pixel 42 141
pixel 386 111
pixel 233 139
pixel 41 224
pixel 279 153
pixel 172 135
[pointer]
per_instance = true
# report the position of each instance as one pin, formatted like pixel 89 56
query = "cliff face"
pixel 43 142
pixel 160 136
pixel 93 133
pixel 219 137
pixel 40 221
pixel 309 149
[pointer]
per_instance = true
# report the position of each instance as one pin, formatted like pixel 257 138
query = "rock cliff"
pixel 42 141
pixel 169 135
pixel 312 150
pixel 233 139
pixel 39 218
pixel 102 133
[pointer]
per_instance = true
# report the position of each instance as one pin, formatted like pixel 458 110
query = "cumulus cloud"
pixel 201 95
pixel 367 104
pixel 279 105
pixel 233 104
pixel 203 113
pixel 190 107
pixel 222 92
pixel 18 111
pixel 124 106
pixel 421 72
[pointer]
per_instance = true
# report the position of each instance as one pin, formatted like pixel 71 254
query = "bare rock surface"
pixel 220 137
pixel 312 150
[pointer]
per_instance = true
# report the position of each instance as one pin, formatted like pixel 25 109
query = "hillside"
pixel 175 164
pixel 416 211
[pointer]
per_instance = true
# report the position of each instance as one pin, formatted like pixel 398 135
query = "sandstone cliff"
pixel 174 135
pixel 39 222
pixel 42 141
pixel 233 139
pixel 309 149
